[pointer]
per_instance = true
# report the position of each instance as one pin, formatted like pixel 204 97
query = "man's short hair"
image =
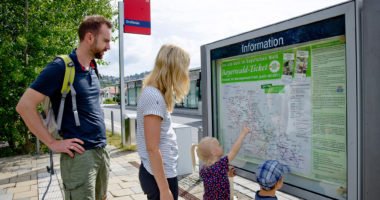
pixel 92 24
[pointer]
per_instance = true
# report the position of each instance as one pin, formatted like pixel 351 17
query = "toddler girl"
pixel 214 171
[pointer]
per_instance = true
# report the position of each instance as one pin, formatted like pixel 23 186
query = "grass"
pixel 115 140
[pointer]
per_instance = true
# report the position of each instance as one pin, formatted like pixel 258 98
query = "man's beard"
pixel 98 55
pixel 96 51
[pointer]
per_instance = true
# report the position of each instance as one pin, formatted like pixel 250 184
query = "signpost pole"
pixel 121 67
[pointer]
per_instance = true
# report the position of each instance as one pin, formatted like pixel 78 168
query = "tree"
pixel 33 32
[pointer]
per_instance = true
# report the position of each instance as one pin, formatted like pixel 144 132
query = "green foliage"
pixel 32 33
pixel 109 101
pixel 117 98
pixel 115 140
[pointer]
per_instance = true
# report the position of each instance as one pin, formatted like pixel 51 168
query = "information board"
pixel 290 88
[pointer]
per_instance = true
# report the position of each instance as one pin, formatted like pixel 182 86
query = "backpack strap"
pixel 69 73
pixel 67 86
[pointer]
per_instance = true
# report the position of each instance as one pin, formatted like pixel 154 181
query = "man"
pixel 84 160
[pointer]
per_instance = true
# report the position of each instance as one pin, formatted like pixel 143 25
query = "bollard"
pixel 200 136
pixel 200 133
pixel 37 146
pixel 112 122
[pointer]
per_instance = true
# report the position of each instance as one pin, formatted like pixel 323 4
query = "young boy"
pixel 270 178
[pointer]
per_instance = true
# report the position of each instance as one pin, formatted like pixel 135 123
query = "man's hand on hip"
pixel 69 146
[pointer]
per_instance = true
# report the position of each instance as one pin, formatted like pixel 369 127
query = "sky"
pixel 193 23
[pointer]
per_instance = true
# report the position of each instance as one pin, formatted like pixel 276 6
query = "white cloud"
pixel 191 24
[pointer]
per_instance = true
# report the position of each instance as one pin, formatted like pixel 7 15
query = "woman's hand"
pixel 166 195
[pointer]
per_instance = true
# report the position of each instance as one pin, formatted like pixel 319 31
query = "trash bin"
pixel 184 141
pixel 130 128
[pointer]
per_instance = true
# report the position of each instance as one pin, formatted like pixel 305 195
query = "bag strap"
pixel 67 86
pixel 69 73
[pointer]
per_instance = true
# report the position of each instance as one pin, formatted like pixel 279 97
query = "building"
pixel 190 105
pixel 109 92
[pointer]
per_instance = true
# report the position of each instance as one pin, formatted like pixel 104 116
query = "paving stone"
pixel 27 176
pixel 199 195
pixel 121 198
pixel 129 184
pixel 13 180
pixel 194 190
pixel 139 197
pixel 114 180
pixel 6 196
pixel 4 181
pixel 8 185
pixel 15 190
pixel 26 183
pixel 130 178
pixel 122 192
pixel 136 189
pixel 27 194
pixel 114 186
pixel 7 175
pixel 34 187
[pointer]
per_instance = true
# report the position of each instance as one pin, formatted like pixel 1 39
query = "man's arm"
pixel 152 132
pixel 27 108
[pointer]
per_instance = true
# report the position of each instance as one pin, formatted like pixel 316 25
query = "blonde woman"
pixel 156 140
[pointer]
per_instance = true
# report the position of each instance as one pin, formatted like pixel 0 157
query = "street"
pixel 190 120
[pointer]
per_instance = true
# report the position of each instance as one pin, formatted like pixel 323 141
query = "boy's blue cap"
pixel 270 172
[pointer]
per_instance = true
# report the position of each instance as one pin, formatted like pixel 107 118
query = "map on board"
pixel 273 133
pixel 294 105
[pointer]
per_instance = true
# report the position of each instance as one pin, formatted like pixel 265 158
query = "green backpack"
pixel 51 124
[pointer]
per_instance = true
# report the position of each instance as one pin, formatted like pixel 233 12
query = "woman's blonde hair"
pixel 170 74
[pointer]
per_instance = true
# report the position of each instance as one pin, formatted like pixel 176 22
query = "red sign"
pixel 137 16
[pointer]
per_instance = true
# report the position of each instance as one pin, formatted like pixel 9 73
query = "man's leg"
pixel 79 175
pixel 103 174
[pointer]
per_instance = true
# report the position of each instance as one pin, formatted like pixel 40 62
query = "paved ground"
pixel 26 178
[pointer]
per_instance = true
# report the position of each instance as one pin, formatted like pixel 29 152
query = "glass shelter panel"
pixel 290 88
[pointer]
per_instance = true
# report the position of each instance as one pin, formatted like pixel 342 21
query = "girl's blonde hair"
pixel 204 150
pixel 170 74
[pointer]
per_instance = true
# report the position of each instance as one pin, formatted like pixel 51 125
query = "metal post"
pixel 121 67
pixel 112 122
pixel 37 146
pixel 200 133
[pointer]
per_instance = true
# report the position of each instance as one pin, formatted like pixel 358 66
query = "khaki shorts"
pixel 86 175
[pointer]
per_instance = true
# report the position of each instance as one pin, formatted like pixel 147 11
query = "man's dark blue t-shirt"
pixel 86 83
